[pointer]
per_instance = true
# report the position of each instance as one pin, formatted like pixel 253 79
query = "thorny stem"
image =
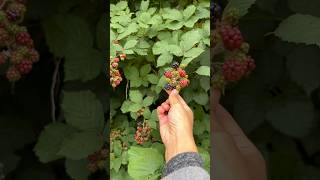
pixel 53 85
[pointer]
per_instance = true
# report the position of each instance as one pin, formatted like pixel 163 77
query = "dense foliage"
pixel 52 121
pixel 278 104
pixel 155 35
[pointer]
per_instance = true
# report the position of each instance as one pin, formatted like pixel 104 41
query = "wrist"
pixel 181 146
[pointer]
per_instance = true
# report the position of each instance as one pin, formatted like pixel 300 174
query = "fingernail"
pixel 174 91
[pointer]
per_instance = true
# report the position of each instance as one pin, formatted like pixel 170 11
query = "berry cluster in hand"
pixel 230 51
pixel 115 75
pixel 97 160
pixel 16 45
pixel 176 77
pixel 143 133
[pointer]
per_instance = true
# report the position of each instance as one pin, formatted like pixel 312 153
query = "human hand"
pixel 176 126
pixel 235 157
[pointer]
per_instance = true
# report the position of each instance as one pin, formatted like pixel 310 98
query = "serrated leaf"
pixel 77 169
pixel 298 113
pixel 145 69
pixel 144 5
pixel 84 65
pixel 189 39
pixel 131 72
pixel 201 98
pixel 83 110
pixel 160 47
pixel 305 73
pixel 50 141
pixel 143 162
pixel 172 14
pixel 130 44
pixel 80 145
pixel 135 107
pixel 175 49
pixel 152 78
pixel 135 96
pixel 241 5
pixel 132 28
pixel 189 11
pixel 163 59
pixel 293 29
pixel 203 70
pixel 126 106
pixel 147 101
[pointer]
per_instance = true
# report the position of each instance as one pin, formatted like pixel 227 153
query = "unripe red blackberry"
pixel 114 65
pixel 25 66
pixel 233 70
pixel 182 73
pixel 116 60
pixel 168 74
pixel 13 74
pixel 231 37
pixel 24 38
pixel 184 83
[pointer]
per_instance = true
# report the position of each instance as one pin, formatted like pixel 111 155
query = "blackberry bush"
pixel 165 47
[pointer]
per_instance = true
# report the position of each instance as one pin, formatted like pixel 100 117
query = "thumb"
pixel 173 97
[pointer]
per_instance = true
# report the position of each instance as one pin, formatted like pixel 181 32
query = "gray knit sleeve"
pixel 185 163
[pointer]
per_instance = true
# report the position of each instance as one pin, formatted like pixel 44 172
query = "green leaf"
pixel 144 5
pixel 135 96
pixel 175 49
pixel 143 162
pixel 299 114
pixel 121 5
pixel 80 145
pixel 50 141
pixel 126 106
pixel 194 52
pixel 131 72
pixel 291 29
pixel 201 98
pixel 84 65
pixel 145 69
pixel 132 28
pixel 148 101
pixel 189 39
pixel 305 73
pixel 203 70
pixel 160 47
pixel 172 14
pixel 135 107
pixel 77 169
pixel 205 83
pixel 241 5
pixel 130 44
pixel 152 78
pixel 83 110
pixel 163 59
pixel 189 11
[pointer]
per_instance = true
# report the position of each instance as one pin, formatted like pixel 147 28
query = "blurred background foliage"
pixel 278 105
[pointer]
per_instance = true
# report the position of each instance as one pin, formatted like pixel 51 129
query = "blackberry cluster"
pixel 97 160
pixel 176 77
pixel 115 75
pixel 143 133
pixel 230 51
pixel 16 45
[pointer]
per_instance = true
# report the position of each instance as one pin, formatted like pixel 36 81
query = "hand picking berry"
pixel 176 77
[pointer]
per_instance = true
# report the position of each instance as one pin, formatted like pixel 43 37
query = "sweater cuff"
pixel 182 160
